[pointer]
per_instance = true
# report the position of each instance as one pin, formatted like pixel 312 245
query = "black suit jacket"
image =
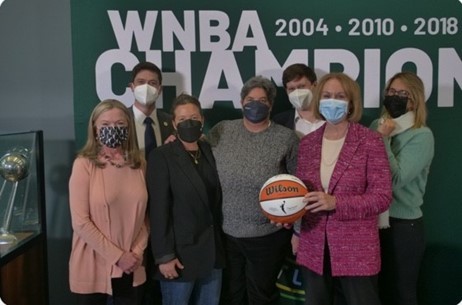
pixel 184 224
pixel 165 124
pixel 286 118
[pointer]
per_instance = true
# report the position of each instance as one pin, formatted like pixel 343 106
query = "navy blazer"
pixel 184 224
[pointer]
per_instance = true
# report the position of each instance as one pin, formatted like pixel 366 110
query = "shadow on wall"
pixel 441 284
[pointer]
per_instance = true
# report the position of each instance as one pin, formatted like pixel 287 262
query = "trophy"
pixel 14 166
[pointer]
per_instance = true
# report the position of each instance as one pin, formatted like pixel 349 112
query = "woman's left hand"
pixel 169 269
pixel 129 262
pixel 138 263
pixel 320 201
pixel 386 127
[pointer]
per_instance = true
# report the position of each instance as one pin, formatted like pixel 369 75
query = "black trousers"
pixel 339 290
pixel 253 265
pixel 123 293
pixel 403 247
pixel 152 294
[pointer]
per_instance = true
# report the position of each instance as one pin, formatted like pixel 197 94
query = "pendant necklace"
pixel 195 155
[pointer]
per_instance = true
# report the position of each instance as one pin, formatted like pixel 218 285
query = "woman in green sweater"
pixel 410 147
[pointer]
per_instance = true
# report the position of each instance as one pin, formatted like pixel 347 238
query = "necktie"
pixel 149 136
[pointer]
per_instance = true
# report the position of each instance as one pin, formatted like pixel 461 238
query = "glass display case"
pixel 22 203
pixel 23 249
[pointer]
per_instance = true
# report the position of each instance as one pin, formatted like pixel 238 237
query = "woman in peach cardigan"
pixel 108 199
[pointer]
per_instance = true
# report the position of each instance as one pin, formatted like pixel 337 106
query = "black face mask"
pixel 189 130
pixel 395 105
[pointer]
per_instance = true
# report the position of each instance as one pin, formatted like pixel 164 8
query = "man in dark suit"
pixel 153 127
pixel 298 81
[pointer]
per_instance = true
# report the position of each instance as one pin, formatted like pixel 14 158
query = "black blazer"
pixel 184 224
pixel 286 118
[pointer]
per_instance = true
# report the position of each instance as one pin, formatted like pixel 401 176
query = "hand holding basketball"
pixel 281 224
pixel 320 201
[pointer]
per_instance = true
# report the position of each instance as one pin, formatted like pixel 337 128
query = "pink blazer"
pixel 361 183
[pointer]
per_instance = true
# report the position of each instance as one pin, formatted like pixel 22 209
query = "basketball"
pixel 281 198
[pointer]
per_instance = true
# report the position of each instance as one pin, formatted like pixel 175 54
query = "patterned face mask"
pixel 113 136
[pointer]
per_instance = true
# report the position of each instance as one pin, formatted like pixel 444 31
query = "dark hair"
pixel 146 66
pixel 184 99
pixel 259 82
pixel 296 71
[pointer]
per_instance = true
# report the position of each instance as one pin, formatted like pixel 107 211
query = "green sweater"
pixel 410 154
pixel 245 160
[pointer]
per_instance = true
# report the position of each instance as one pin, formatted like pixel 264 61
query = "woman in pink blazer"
pixel 346 168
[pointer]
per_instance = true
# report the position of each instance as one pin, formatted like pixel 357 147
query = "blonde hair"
pixel 352 91
pixel 92 146
pixel 416 95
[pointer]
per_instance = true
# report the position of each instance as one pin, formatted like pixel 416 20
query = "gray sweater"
pixel 245 160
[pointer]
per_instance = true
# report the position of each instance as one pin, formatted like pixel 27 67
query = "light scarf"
pixel 402 123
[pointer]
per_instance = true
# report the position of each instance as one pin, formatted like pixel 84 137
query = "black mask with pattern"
pixel 113 136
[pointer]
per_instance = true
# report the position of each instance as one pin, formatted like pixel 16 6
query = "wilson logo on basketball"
pixel 280 189
pixel 281 198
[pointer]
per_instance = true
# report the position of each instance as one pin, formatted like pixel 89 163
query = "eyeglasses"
pixel 400 93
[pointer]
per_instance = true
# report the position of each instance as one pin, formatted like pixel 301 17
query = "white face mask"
pixel 301 98
pixel 146 94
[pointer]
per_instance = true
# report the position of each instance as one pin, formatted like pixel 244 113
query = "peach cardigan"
pixel 108 211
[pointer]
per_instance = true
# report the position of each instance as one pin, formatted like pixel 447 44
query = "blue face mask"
pixel 256 112
pixel 333 110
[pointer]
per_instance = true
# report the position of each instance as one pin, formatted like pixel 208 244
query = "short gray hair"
pixel 260 82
